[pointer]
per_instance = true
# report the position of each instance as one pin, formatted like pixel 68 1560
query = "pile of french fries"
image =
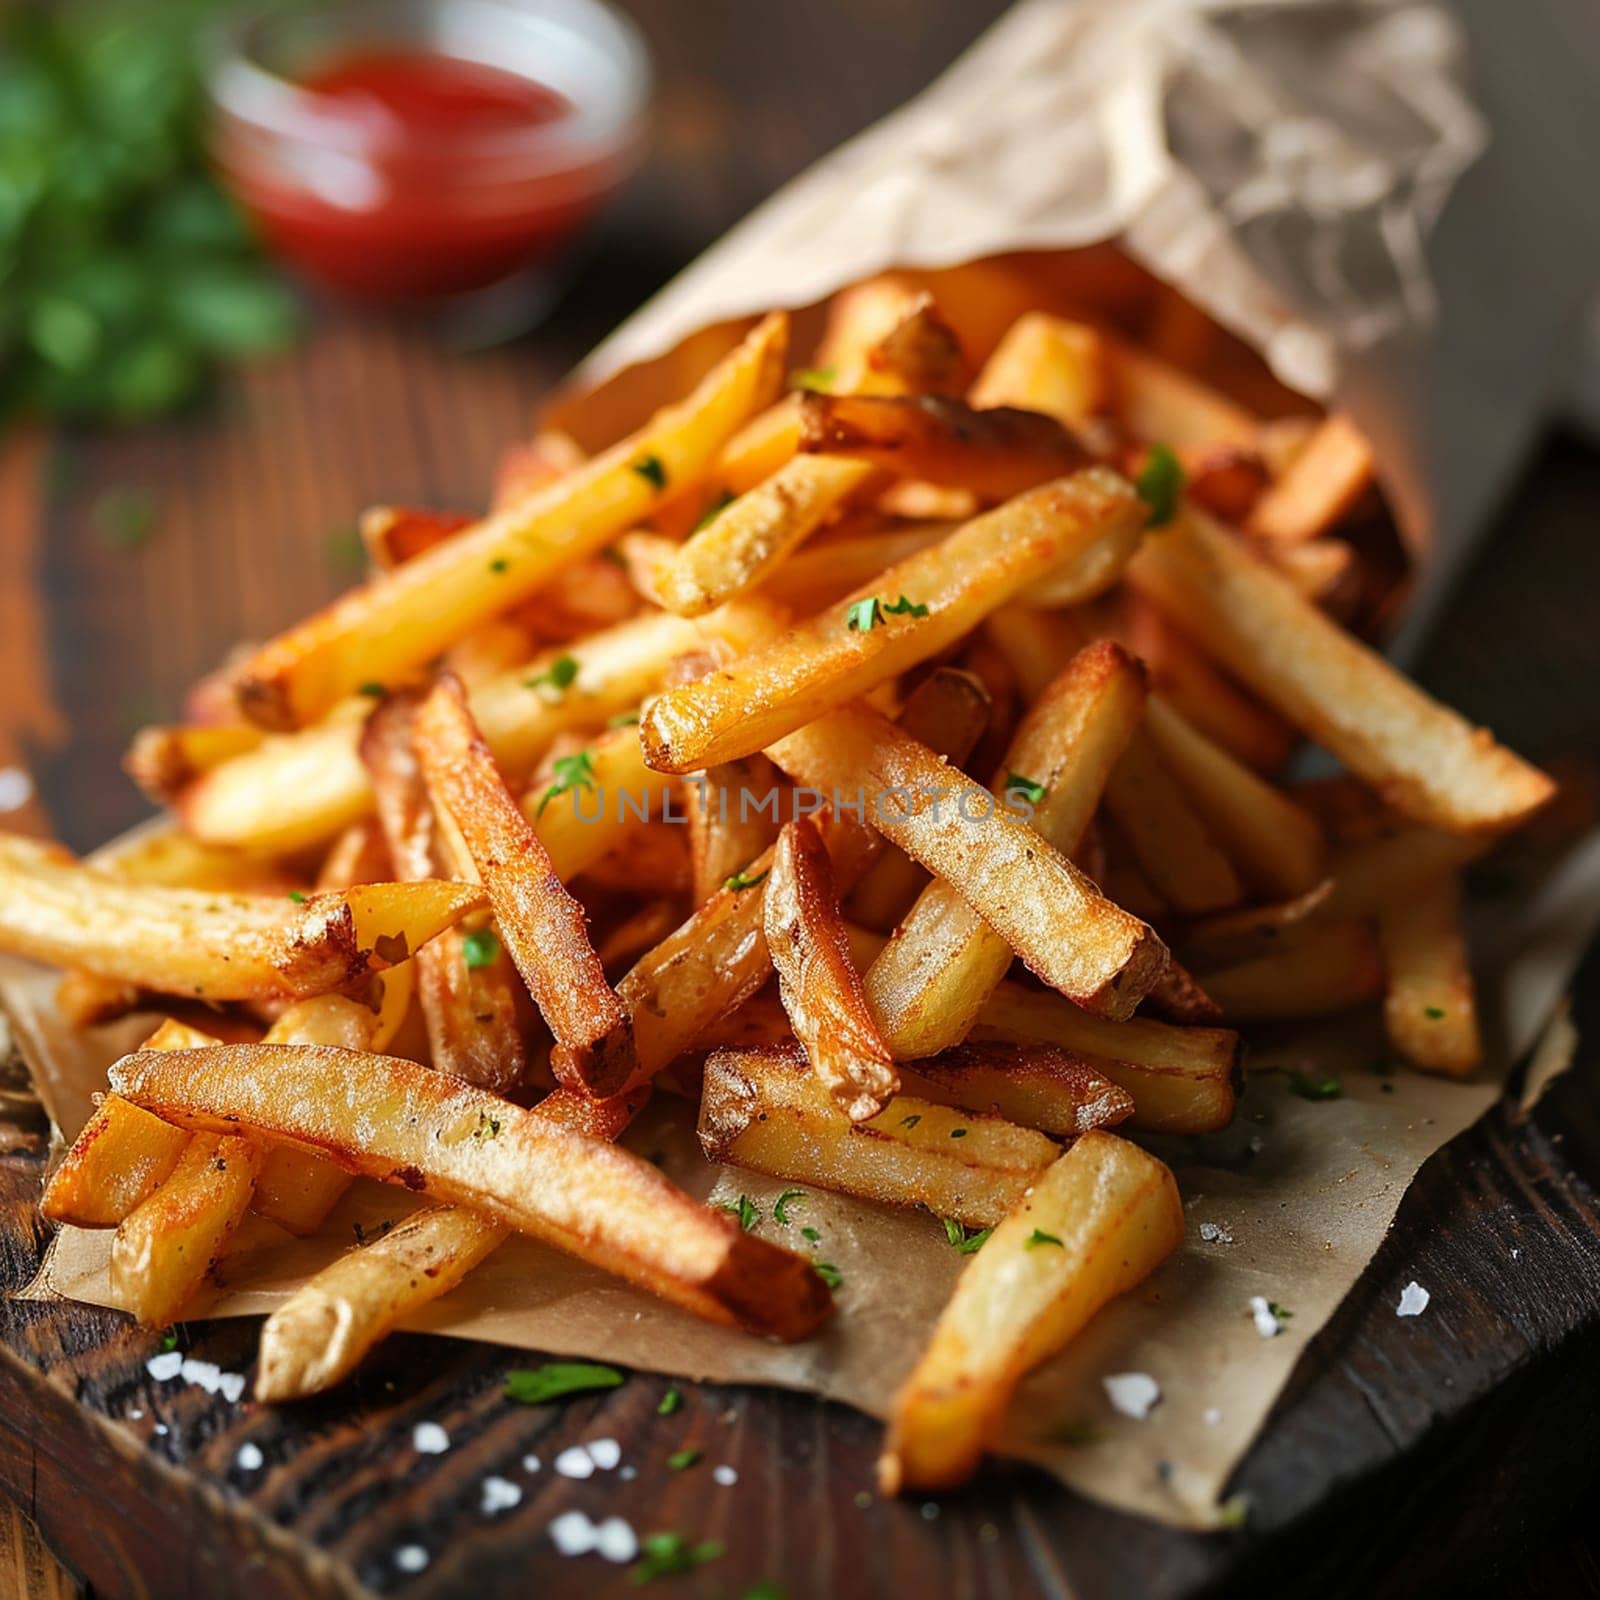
pixel 884 757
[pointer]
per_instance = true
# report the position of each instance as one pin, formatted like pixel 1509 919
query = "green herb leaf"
pixel 912 1120
pixel 1160 484
pixel 1315 1086
pixel 1039 1237
pixel 958 1133
pixel 967 1243
pixel 570 772
pixel 666 1555
pixel 905 608
pixel 1030 791
pixel 652 470
pixel 169 1340
pixel 537 1386
pixel 233 310
pixel 746 880
pixel 670 1402
pixel 1281 1314
pixel 298 898
pixel 682 1460
pixel 829 1273
pixel 499 565
pixel 821 379
pixel 862 615
pixel 1433 1013
pixel 374 691
pixel 811 1234
pixel 780 1206
pixel 488 1126
pixel 479 948
pixel 557 678
pixel 745 1209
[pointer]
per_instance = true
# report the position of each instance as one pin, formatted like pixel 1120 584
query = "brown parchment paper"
pixel 1283 165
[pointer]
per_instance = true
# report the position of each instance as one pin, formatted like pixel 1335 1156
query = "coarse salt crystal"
pixel 206 1375
pixel 411 1558
pixel 1132 1393
pixel 530 1463
pixel 499 1494
pixel 161 1428
pixel 166 1365
pixel 573 1534
pixel 1413 1300
pixel 628 1474
pixel 249 1458
pixel 575 1462
pixel 1266 1319
pixel 429 1439
pixel 1211 1416
pixel 1214 1233
pixel 231 1386
pixel 726 1476
pixel 605 1453
pixel 16 788
pixel 615 1540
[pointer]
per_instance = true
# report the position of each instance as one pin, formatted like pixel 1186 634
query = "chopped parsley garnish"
pixel 745 1209
pixel 298 898
pixel 624 719
pixel 912 1120
pixel 905 608
pixel 670 1401
pixel 571 772
pixel 537 1386
pixel 1030 791
pixel 958 1133
pixel 821 379
pixel 558 677
pixel 682 1460
pixel 1280 1314
pixel 746 880
pixel 967 1243
pixel 1433 1013
pixel 780 1206
pixel 667 1555
pixel 125 518
pixel 650 468
pixel 810 1234
pixel 1160 482
pixel 1039 1237
pixel 373 691
pixel 1315 1086
pixel 714 510
pixel 499 564
pixel 488 1126
pixel 169 1340
pixel 829 1273
pixel 1076 1434
pixel 863 615
pixel 479 948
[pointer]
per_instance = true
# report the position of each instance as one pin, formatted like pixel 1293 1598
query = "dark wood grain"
pixel 1406 1458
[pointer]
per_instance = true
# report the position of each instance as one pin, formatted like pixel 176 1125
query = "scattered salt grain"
pixel 499 1494
pixel 162 1429
pixel 1211 1416
pixel 1266 1319
pixel 605 1453
pixel 1516 1254
pixel 249 1458
pixel 205 1375
pixel 231 1386
pixel 1214 1233
pixel 16 788
pixel 628 1474
pixel 573 1534
pixel 166 1365
pixel 136 1415
pixel 615 1540
pixel 726 1476
pixel 1132 1393
pixel 575 1462
pixel 1413 1300
pixel 411 1558
pixel 429 1439
pixel 530 1463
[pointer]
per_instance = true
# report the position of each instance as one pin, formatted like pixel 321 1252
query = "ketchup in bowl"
pixel 414 152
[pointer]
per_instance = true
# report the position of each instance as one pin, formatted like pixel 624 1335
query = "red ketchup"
pixel 412 175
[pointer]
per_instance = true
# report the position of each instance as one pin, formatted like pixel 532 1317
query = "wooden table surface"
pixel 1391 1466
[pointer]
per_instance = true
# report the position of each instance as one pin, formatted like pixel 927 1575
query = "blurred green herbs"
pixel 125 274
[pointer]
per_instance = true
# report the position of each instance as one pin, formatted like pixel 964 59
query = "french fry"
pixel 1328 967
pixel 719 957
pixel 842 561
pixel 467 990
pixel 994 454
pixel 1090 521
pixel 765 1110
pixel 1429 1009
pixel 1425 760
pixel 165 1246
pixel 393 535
pixel 1166 834
pixel 299 790
pixel 385 629
pixel 213 945
pixel 729 824
pixel 1034 1085
pixel 1047 364
pixel 1325 479
pixel 1369 875
pixel 1154 400
pixel 1094 1225
pixel 390 1119
pixel 164 854
pixel 116 1163
pixel 920 354
pixel 944 960
pixel 1231 937
pixel 1326 572
pixel 1178 996
pixel 162 760
pixel 817 980
pixel 319 1335
pixel 542 925
pixel 1031 895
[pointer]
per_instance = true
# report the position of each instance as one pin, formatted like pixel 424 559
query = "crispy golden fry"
pixel 845 560
pixel 395 534
pixel 1156 401
pixel 213 946
pixel 465 984
pixel 1425 760
pixel 817 980
pixel 860 317
pixel 1035 1085
pixel 165 1246
pixel 765 1110
pixel 1429 1008
pixel 1091 522
pixel 944 960
pixel 920 354
pixel 300 790
pixel 1232 937
pixel 994 454
pixel 1276 846
pixel 385 629
pixel 730 820
pixel 1165 833
pixel 1327 967
pixel 163 854
pixel 162 760
pixel 1369 875
pixel 718 958
pixel 1320 485
pixel 1047 364
pixel 319 1335
pixel 1326 572
pixel 1094 1225
pixel 1178 997
pixel 1183 1080
pixel 542 925
pixel 393 1120
pixel 1027 891
pixel 887 891
pixel 122 1156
